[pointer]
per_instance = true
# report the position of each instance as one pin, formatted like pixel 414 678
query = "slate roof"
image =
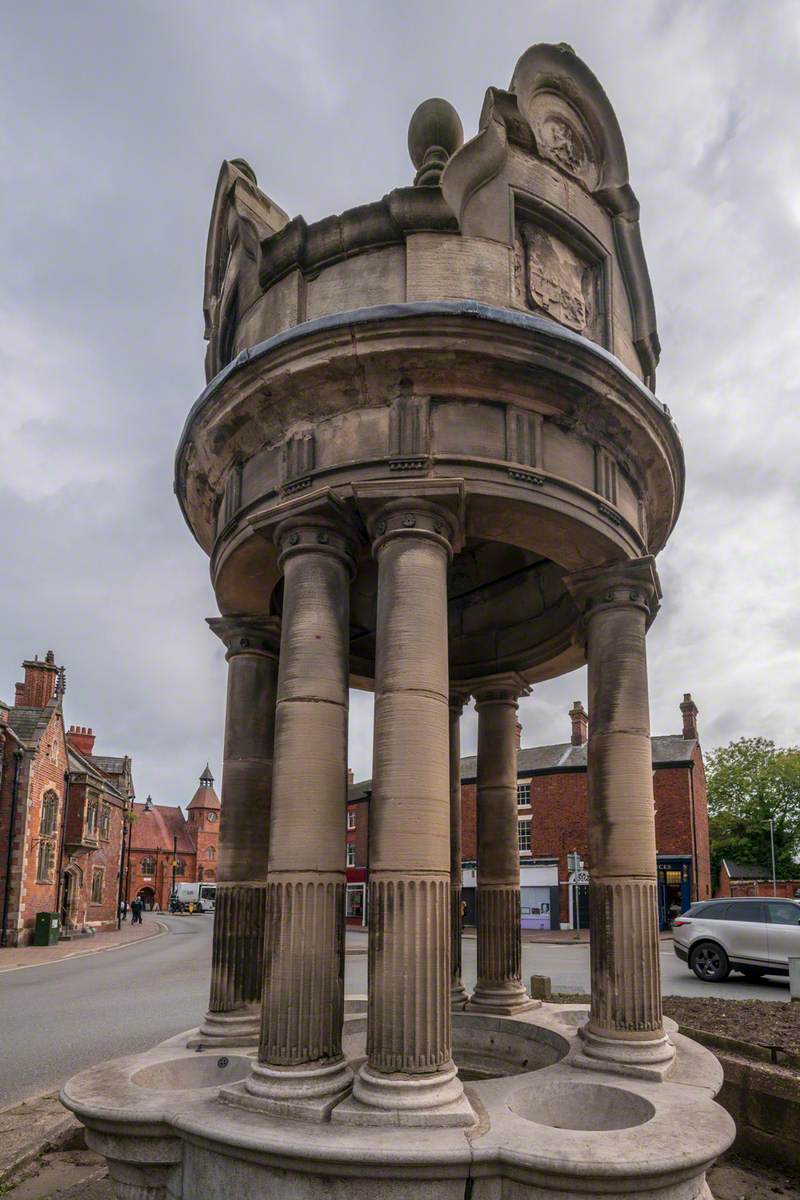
pixel 30 724
pixel 111 766
pixel 154 829
pixel 83 765
pixel 671 750
pixel 745 870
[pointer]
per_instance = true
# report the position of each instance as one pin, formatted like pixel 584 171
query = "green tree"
pixel 750 781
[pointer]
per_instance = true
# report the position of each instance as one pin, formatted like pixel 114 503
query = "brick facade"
pixel 558 811
pixel 64 853
pixel 157 829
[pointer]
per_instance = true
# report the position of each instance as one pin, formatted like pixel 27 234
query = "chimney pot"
pixel 580 724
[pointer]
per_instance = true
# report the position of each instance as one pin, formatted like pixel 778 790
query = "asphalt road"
pixel 59 1018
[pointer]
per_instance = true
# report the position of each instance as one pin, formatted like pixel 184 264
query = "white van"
pixel 196 897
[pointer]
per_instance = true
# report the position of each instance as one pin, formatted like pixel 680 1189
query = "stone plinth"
pixel 543 1127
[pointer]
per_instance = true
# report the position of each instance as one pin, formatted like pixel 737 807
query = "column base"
pixel 406 1100
pixel 652 1058
pixel 308 1092
pixel 240 1027
pixel 501 999
pixel 459 997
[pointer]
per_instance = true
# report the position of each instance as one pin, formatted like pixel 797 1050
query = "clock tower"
pixel 203 813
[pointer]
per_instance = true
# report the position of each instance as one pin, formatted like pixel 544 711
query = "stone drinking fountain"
pixel 429 462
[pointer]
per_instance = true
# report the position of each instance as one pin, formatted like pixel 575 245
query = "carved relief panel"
pixel 557 279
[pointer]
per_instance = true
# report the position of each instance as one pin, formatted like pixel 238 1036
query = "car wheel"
pixel 752 973
pixel 709 962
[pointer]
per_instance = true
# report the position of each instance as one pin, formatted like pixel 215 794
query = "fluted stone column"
pixel 499 988
pixel 458 993
pixel 625 1029
pixel 237 956
pixel 301 1070
pixel 409 1077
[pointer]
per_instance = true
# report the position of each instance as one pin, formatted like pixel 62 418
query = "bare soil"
pixel 771 1023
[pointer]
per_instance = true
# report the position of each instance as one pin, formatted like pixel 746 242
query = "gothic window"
pixel 105 821
pixel 44 862
pixel 47 824
pixel 524 833
pixel 97 885
pixel 91 817
pixel 148 866
pixel 210 854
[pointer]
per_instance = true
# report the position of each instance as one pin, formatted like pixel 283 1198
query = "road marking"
pixel 82 953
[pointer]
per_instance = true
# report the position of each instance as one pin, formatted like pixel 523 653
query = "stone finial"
pixel 435 133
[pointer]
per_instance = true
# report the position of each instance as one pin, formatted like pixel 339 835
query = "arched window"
pixel 91 817
pixel 199 873
pixel 44 862
pixel 211 854
pixel 180 868
pixel 47 824
pixel 148 866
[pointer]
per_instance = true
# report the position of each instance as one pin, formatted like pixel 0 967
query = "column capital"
pixel 413 517
pixel 630 584
pixel 458 700
pixel 317 532
pixel 500 689
pixel 247 635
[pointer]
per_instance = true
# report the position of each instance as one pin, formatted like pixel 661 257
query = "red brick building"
pixel 552 816
pixel 62 817
pixel 753 879
pixel 161 835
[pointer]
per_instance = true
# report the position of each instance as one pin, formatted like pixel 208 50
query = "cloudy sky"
pixel 115 119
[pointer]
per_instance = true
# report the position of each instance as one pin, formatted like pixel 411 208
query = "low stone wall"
pixel 762 1094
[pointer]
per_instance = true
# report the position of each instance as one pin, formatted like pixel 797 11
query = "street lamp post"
pixel 772 849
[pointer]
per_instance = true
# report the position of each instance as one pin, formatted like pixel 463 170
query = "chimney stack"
pixel 3 713
pixel 39 685
pixel 580 724
pixel 81 739
pixel 350 775
pixel 689 712
pixel 519 736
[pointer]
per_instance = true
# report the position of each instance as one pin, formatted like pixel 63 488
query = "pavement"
pixel 12 957
pixel 60 1016
pixel 68 1011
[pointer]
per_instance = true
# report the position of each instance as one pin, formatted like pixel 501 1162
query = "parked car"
pixel 754 936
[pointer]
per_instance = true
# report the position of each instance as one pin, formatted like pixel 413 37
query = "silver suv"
pixel 752 936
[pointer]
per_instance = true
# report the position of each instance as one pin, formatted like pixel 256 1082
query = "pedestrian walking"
pixel 136 911
pixel 123 910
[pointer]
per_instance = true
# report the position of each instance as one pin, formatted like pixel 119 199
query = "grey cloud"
pixel 117 117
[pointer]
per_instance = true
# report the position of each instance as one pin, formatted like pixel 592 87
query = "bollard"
pixel 541 988
pixel 794 977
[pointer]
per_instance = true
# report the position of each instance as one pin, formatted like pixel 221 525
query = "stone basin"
pixel 201 1071
pixel 581 1106
pixel 484 1047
